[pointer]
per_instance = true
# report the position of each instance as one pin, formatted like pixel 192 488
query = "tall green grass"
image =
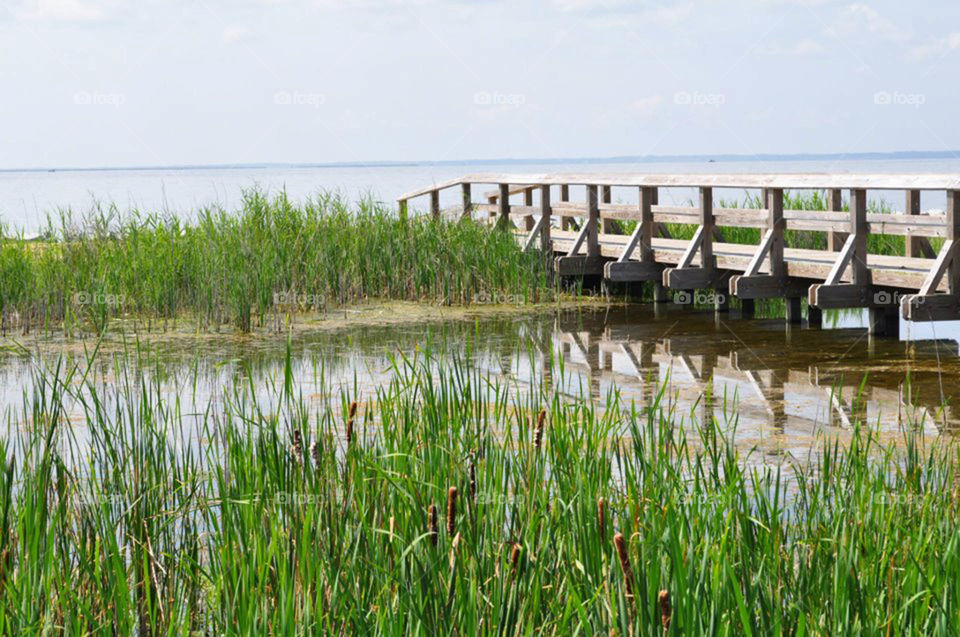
pixel 257 515
pixel 244 268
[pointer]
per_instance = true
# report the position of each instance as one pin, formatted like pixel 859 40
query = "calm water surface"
pixel 780 385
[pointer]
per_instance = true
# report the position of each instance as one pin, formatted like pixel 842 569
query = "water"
pixel 781 386
pixel 27 197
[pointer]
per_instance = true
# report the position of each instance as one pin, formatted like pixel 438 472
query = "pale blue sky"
pixel 142 82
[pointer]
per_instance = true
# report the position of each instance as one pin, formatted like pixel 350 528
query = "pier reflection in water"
pixel 779 384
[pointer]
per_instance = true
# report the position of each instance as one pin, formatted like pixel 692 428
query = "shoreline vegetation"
pixel 450 501
pixel 274 262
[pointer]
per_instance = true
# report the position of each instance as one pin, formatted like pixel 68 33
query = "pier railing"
pixel 588 239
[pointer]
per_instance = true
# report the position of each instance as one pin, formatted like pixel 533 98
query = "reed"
pixel 158 516
pixel 260 266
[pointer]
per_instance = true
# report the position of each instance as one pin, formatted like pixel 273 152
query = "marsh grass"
pixel 166 519
pixel 257 266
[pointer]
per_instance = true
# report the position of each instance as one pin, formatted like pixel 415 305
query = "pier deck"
pixel 572 218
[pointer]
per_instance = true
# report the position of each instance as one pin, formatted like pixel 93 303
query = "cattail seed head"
pixel 353 410
pixel 432 523
pixel 351 413
pixel 621 545
pixel 515 555
pixel 452 511
pixel 601 506
pixel 473 481
pixel 315 453
pixel 538 432
pixel 297 447
pixel 664 599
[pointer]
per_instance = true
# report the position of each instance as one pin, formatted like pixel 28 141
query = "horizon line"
pixel 709 158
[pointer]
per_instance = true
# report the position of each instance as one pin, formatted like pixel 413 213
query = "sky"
pixel 90 83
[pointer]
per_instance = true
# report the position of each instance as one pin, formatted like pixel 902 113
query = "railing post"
pixel 858 227
pixel 606 196
pixel 546 244
pixel 707 260
pixel 467 200
pixel 402 207
pixel 565 222
pixel 775 224
pixel 435 203
pixel 592 221
pixel 503 205
pixel 835 204
pixel 528 201
pixel 912 207
pixel 648 198
pixel 953 234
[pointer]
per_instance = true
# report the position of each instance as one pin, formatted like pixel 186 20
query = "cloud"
pixel 234 33
pixel 937 47
pixel 646 105
pixel 66 10
pixel 590 5
pixel 861 18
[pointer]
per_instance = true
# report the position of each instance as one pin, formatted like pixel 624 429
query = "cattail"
pixel 315 453
pixel 621 544
pixel 600 518
pixel 452 511
pixel 538 432
pixel 297 447
pixel 664 598
pixel 350 415
pixel 473 481
pixel 515 555
pixel 432 523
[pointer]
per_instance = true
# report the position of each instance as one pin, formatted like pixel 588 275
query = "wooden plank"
pixel 692 248
pixel 934 307
pixel 953 234
pixel 633 271
pixel 846 255
pixel 765 286
pixel 579 265
pixel 947 254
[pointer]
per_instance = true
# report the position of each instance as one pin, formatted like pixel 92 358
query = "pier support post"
pixel 814 317
pixel 794 316
pixel 884 321
pixel 748 308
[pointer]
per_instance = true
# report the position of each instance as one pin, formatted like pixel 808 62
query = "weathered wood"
pixel 579 265
pixel 835 239
pixel 707 223
pixel 775 227
pixel 546 242
pixel 435 203
pixel 947 254
pixel 592 222
pixel 466 196
pixel 503 205
pixel 528 202
pixel 627 271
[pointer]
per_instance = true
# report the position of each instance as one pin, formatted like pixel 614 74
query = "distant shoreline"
pixel 625 159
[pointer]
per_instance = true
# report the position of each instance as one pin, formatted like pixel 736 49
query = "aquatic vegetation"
pixel 257 266
pixel 123 513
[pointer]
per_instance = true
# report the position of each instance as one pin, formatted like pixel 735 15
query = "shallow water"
pixel 779 385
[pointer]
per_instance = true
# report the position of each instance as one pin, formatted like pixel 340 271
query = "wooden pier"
pixel 573 219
